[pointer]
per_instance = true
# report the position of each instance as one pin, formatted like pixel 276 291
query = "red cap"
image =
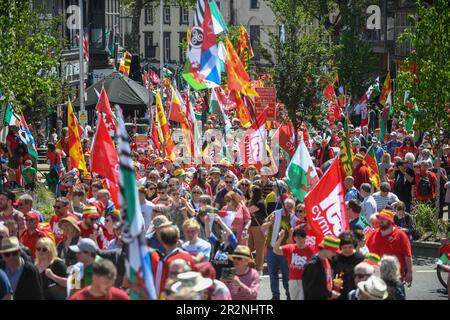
pixel 32 215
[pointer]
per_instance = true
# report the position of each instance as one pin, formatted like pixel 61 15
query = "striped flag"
pixel 86 44
pixel 371 162
pixel 138 263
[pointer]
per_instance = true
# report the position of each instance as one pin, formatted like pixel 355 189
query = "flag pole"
pixel 81 57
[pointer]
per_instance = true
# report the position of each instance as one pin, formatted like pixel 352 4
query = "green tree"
pixel 29 59
pixel 303 62
pixel 429 86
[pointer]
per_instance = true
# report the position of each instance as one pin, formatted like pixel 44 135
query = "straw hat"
pixel 192 280
pixel 71 221
pixel 241 252
pixel 374 287
pixel 10 244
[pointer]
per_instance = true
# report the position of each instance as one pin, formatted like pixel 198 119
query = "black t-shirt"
pixel 402 187
pixel 259 216
pixel 220 197
pixel 346 266
pixel 220 253
pixel 52 290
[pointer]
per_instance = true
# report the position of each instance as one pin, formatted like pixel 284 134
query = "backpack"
pixel 22 149
pixel 424 188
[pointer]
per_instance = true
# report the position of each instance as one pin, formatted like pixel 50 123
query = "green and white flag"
pixel 218 22
pixel 138 263
pixel 301 173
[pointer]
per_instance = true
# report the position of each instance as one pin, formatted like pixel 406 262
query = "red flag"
pixel 104 159
pixel 103 106
pixel 154 77
pixel 155 139
pixel 285 136
pixel 325 205
pixel 334 111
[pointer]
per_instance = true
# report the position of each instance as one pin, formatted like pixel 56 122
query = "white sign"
pixel 83 117
pixel 374 20
pixel 73 21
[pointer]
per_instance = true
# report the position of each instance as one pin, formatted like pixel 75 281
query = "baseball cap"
pixel 85 244
pixel 32 215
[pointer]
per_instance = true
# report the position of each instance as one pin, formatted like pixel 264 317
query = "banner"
pixel 325 205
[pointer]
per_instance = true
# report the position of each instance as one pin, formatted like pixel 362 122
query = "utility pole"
pixel 161 40
pixel 81 54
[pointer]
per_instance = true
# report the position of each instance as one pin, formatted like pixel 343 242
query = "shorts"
pixel 296 290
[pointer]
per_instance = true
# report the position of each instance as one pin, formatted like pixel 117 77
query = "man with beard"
pixel 89 226
pixel 390 240
pixel 7 211
pixel 214 179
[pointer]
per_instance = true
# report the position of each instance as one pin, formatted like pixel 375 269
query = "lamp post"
pixel 81 57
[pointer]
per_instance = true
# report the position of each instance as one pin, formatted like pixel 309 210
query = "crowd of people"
pixel 212 229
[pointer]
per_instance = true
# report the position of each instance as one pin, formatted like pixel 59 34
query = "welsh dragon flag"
pixel 301 173
pixel 138 263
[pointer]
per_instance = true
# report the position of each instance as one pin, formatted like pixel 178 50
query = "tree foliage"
pixel 429 86
pixel 29 57
pixel 303 61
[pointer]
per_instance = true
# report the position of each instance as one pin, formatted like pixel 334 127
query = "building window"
pixel 402 22
pixel 148 15
pixel 166 14
pixel 150 49
pixel 166 46
pixel 254 4
pixel 184 16
pixel 182 38
pixel 255 34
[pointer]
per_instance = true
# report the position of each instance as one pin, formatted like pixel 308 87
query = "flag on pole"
pixel 301 173
pixel 238 78
pixel 346 152
pixel 104 159
pixel 325 205
pixel 386 89
pixel 86 44
pixel 218 22
pixel 244 47
pixel 109 36
pixel 385 115
pixel 74 144
pixel 370 160
pixel 139 271
pixel 242 109
pixel 334 111
pixel 125 63
pixel 13 119
pixel 164 126
pixel 253 148
pixel 103 107
pixel 285 139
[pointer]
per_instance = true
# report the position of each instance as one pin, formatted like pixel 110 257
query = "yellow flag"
pixel 74 145
pixel 162 120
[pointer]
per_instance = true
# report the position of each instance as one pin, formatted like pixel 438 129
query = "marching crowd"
pixel 210 229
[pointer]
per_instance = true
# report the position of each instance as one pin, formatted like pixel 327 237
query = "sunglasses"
pixel 361 275
pixel 229 182
pixel 299 211
pixel 57 207
pixel 151 188
pixel 238 258
pixel 43 249
pixel 14 254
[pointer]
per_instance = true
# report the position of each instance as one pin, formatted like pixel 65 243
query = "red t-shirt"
pixel 113 294
pixel 144 161
pixel 396 244
pixel 86 233
pixel 432 178
pixel 54 157
pixel 56 229
pixel 297 259
pixel 176 254
pixel 403 150
pixel 361 175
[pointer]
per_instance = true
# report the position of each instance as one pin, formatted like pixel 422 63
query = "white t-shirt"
pixel 199 246
pixel 147 212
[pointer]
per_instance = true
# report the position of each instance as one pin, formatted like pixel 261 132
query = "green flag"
pixel 301 173
pixel 191 77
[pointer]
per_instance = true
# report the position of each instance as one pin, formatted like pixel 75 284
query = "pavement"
pixel 425 285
